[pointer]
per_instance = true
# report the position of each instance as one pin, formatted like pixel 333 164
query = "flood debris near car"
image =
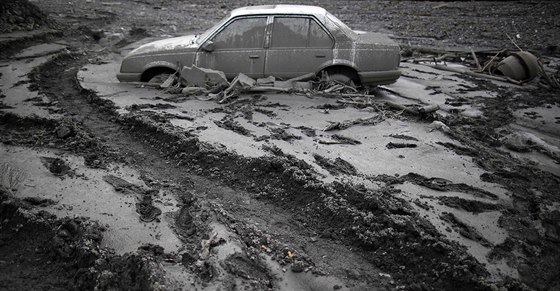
pixel 442 173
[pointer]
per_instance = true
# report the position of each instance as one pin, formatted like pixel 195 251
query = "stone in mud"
pixel 185 222
pixel 188 259
pixel 298 267
pixel 63 131
pixel 148 212
pixel 56 166
pixel 518 142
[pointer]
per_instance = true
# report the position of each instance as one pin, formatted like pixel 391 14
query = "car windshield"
pixel 204 35
pixel 347 30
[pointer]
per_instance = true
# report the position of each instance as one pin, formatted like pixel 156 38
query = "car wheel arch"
pixel 155 69
pixel 344 69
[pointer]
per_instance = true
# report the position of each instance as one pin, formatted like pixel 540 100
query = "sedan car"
pixel 283 41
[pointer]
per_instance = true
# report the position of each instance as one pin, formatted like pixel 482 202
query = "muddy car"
pixel 284 41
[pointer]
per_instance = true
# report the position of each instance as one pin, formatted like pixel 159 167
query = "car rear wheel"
pixel 343 75
pixel 341 78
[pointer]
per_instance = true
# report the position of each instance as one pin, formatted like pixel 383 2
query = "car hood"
pixel 166 45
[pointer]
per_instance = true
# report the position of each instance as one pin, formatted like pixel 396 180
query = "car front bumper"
pixel 129 77
pixel 379 78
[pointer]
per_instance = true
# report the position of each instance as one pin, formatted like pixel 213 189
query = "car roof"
pixel 278 9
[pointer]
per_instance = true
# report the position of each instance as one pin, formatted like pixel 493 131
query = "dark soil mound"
pixel 18 15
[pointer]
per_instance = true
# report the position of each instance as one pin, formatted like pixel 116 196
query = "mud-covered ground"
pixel 113 187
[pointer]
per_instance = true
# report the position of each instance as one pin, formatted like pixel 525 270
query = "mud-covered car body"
pixel 284 41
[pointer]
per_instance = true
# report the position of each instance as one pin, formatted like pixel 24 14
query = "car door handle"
pixel 254 56
pixel 320 56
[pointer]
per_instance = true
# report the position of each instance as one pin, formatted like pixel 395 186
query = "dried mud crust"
pixel 40 252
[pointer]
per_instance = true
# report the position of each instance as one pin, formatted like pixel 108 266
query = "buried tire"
pixel 344 76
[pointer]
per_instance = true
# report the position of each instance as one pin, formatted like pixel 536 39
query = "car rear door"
pixel 298 45
pixel 238 47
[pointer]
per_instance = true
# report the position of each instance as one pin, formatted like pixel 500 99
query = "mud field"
pixel 112 186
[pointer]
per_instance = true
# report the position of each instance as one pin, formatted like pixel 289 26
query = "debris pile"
pixel 208 84
pixel 517 67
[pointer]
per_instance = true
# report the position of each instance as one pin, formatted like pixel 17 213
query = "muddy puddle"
pixel 76 190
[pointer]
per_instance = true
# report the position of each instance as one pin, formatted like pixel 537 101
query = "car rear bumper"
pixel 379 78
pixel 129 77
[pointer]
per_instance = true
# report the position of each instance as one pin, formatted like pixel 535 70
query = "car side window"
pixel 242 33
pixel 298 32
pixel 318 37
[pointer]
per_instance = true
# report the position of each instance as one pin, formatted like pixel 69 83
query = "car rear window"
pixel 298 32
pixel 318 37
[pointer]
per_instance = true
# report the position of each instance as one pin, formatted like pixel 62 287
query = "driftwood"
pixel 302 77
pixel 476 75
pixel 416 111
pixel 476 60
pixel 267 88
pixel 146 84
pixel 443 51
pixel 492 60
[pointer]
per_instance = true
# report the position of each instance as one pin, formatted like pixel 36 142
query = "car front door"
pixel 298 45
pixel 237 48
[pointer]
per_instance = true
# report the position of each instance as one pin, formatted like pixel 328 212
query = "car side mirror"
pixel 208 46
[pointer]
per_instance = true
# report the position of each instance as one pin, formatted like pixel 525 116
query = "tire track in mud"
pixel 386 231
pixel 63 254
